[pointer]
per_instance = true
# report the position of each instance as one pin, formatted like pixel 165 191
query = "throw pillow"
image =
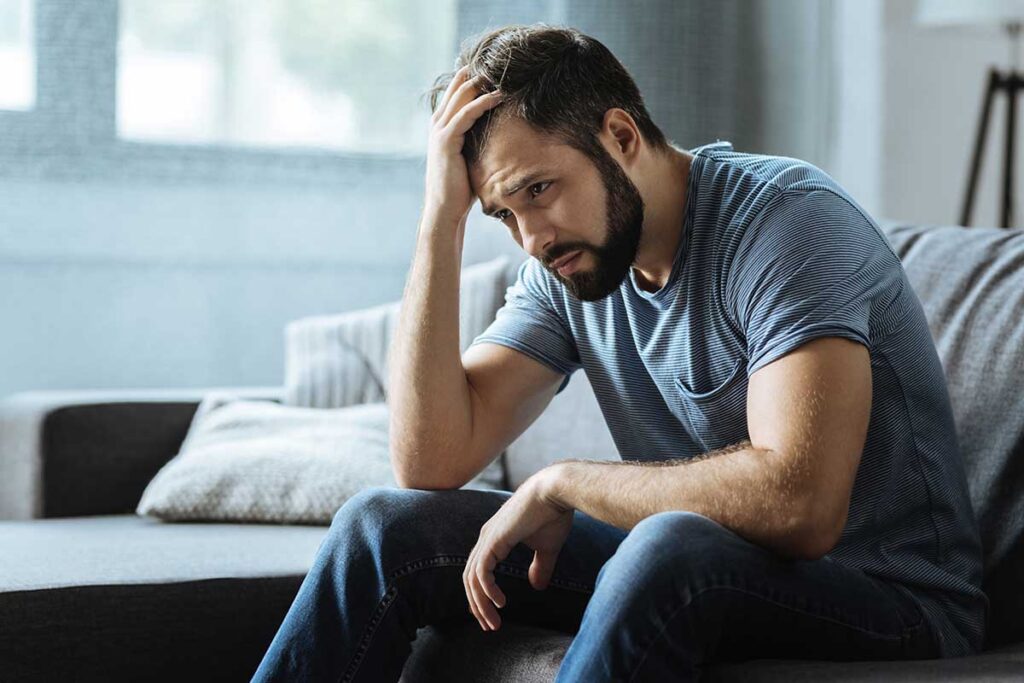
pixel 260 461
pixel 340 360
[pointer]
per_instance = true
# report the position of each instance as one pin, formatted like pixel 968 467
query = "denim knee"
pixel 395 524
pixel 667 547
pixel 375 514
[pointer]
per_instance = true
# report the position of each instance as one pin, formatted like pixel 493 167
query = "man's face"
pixel 556 202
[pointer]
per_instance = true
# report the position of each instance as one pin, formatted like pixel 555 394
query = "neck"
pixel 665 196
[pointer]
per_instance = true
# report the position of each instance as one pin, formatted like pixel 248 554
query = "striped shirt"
pixel 774 253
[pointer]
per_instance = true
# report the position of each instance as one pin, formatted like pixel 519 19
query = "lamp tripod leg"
pixel 1009 153
pixel 979 146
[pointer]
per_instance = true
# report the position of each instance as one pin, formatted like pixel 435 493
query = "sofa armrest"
pixel 77 453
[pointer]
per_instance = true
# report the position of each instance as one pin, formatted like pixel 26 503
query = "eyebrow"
pixel 516 185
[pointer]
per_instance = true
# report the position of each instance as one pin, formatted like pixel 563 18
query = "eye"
pixel 500 215
pixel 534 191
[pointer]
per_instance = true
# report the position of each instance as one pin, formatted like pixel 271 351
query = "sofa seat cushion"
pixel 528 654
pixel 120 549
pixel 130 598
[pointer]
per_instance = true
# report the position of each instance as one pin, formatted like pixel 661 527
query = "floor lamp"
pixel 1008 14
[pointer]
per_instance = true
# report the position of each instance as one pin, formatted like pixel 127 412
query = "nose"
pixel 538 236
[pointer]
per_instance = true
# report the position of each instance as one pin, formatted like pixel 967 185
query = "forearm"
pixel 429 399
pixel 744 489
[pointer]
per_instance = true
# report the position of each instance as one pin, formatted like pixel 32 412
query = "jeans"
pixel 653 604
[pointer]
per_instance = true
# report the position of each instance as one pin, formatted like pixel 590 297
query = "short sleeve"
pixel 809 265
pixel 529 323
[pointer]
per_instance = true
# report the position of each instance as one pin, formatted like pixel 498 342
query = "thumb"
pixel 541 569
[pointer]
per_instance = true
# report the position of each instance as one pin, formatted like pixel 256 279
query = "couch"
pixel 89 591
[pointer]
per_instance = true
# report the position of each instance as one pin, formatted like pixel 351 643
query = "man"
pixel 790 485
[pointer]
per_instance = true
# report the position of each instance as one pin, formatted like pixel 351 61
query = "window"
pixel 340 74
pixel 17 55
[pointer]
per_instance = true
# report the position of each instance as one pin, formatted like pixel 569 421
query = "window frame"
pixel 71 133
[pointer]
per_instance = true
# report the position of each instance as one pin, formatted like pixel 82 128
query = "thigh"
pixel 742 601
pixel 424 537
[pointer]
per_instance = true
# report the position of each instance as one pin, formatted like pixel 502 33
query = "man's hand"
pixel 528 517
pixel 448 193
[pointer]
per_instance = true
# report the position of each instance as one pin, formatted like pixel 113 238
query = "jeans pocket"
pixel 717 417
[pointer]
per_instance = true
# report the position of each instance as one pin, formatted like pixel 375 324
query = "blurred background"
pixel 180 178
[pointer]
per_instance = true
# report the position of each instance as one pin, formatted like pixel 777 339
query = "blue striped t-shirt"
pixel 774 254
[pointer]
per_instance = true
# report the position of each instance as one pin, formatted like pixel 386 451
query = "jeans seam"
pixel 391 592
pixel 693 597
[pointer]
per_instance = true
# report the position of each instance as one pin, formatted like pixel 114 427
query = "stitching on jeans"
pixel 364 643
pixel 387 599
pixel 438 561
pixel 693 597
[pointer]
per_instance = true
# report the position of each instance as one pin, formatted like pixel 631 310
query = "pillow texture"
pixel 260 461
pixel 340 360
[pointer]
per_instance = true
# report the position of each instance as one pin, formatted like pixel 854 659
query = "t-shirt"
pixel 774 253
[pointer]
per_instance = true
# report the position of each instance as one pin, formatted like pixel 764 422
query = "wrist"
pixel 550 485
pixel 435 218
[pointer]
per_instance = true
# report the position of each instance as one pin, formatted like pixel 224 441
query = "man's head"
pixel 572 122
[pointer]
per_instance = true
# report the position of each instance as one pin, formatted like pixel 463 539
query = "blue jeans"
pixel 677 591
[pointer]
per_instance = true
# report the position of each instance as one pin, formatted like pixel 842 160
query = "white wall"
pixel 173 284
pixel 906 111
pixel 855 132
pixel 934 80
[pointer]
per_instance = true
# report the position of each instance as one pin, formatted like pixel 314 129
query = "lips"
pixel 565 259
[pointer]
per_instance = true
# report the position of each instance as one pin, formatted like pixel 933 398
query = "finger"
pixel 473 595
pixel 478 609
pixel 470 598
pixel 488 590
pixel 486 607
pixel 489 584
pixel 541 569
pixel 475 602
pixel 457 79
pixel 465 94
pixel 467 116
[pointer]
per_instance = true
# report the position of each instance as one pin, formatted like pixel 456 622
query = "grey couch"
pixel 91 592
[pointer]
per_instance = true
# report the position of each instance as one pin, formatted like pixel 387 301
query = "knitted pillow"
pixel 260 461
pixel 340 360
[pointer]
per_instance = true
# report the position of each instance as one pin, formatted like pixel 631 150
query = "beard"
pixel 624 209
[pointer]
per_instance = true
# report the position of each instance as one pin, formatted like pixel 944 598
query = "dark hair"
pixel 557 79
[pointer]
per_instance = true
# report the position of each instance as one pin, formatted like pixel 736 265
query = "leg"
pixel 683 590
pixel 392 562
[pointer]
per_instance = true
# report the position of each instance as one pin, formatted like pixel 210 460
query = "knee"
pixel 670 547
pixel 376 512
pixel 676 532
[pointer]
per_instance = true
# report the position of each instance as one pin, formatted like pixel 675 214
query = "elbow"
pixel 408 481
pixel 819 538
pixel 416 465
pixel 427 479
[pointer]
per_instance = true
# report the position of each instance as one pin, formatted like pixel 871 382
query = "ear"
pixel 620 135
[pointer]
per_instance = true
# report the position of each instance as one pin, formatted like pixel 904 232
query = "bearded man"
pixel 790 483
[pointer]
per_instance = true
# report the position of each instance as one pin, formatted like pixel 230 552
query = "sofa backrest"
pixel 970 282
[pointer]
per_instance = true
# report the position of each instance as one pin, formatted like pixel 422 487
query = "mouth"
pixel 567 264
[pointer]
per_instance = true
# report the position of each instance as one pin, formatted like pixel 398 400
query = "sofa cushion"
pixel 971 285
pixel 518 653
pixel 341 359
pixel 572 426
pixel 259 461
pixel 130 598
